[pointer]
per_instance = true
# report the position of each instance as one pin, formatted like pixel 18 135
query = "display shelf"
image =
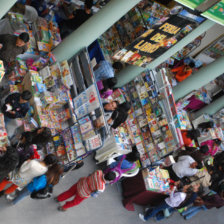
pixel 153 111
pixel 142 123
pixel 130 27
pixel 83 75
pixel 134 128
pixel 59 105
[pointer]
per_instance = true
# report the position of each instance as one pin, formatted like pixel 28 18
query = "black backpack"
pixel 43 193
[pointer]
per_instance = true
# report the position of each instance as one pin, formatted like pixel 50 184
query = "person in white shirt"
pixel 186 166
pixel 31 169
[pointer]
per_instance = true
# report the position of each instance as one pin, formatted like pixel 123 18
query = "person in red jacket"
pixel 183 71
pixel 190 135
pixel 84 188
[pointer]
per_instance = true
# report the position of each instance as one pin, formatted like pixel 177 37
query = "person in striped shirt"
pixel 84 188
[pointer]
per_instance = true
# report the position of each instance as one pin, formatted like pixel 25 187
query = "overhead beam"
pixel 130 72
pixel 199 79
pixel 93 28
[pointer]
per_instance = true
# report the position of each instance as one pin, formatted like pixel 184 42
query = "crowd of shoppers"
pixel 20 164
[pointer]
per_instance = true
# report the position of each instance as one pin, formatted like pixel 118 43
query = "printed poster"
pixel 155 41
pixel 200 5
pixel 216 13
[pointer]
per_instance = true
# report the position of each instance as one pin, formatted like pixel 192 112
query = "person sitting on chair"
pixel 124 164
pixel 183 71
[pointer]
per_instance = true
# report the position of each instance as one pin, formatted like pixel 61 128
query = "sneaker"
pixel 60 208
pixel 79 165
pixel 147 209
pixel 10 197
pixel 19 188
pixel 141 216
pixel 56 199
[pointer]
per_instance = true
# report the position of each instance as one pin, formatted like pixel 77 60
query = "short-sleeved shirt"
pixel 182 167
pixel 104 71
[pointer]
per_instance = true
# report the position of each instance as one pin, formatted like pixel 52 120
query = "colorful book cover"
pixel 216 13
pixel 93 143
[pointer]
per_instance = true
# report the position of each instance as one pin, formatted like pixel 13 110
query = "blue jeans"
pixel 152 212
pixel 160 216
pixel 192 211
pixel 22 194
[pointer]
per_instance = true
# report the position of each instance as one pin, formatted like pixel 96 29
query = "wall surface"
pixel 211 35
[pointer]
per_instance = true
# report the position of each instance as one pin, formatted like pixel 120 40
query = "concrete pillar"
pixel 5 5
pixel 199 79
pixel 130 72
pixel 93 28
pixel 212 108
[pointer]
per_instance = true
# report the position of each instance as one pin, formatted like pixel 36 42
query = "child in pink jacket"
pixel 213 145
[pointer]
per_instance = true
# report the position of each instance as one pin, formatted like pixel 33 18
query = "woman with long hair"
pixel 51 177
pixel 29 170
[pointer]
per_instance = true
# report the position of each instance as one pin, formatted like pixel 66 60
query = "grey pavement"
pixel 106 209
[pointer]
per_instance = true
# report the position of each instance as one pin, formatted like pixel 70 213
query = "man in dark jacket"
pixel 16 104
pixel 8 161
pixel 11 46
pixel 79 17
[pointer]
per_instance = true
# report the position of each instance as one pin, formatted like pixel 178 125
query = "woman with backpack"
pixel 51 178
pixel 29 170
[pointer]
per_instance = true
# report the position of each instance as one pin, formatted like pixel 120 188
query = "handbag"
pixel 43 193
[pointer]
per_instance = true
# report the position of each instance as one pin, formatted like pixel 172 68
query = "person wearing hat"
pixel 84 188
pixel 11 46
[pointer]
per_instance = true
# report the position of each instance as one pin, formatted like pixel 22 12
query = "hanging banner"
pixel 192 4
pixel 155 41
pixel 216 13
pixel 200 5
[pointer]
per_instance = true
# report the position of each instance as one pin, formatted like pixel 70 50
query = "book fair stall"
pixel 152 118
pixel 65 98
